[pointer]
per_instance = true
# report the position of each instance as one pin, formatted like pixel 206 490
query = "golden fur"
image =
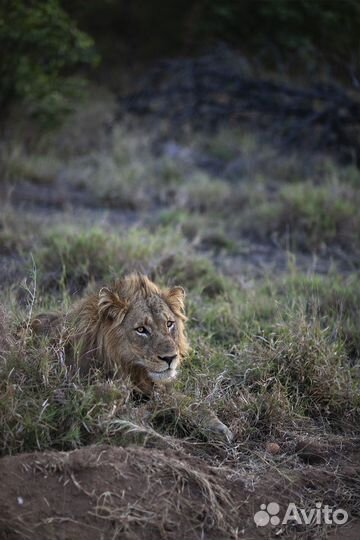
pixel 103 331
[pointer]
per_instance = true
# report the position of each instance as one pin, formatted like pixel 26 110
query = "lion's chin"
pixel 166 375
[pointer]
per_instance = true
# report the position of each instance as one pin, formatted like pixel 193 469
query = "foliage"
pixel 300 27
pixel 40 43
pixel 289 27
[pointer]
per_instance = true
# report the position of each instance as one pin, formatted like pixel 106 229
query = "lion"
pixel 134 329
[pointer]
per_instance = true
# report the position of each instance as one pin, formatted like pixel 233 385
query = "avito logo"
pixel 269 514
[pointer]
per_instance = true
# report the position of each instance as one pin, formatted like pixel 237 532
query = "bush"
pixel 40 43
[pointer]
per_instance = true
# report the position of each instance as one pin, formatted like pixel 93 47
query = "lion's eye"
pixel 141 330
pixel 170 324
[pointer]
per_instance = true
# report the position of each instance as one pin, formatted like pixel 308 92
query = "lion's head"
pixel 134 327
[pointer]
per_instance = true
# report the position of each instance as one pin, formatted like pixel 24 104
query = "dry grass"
pixel 277 359
pixel 309 217
pixel 39 169
pixel 264 365
pixel 74 258
pixel 16 235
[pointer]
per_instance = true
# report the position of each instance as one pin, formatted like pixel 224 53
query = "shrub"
pixel 39 43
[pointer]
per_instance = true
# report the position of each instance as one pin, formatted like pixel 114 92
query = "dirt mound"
pixel 109 492
pixel 106 492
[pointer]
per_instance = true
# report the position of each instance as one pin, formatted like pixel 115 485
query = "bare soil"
pixel 101 492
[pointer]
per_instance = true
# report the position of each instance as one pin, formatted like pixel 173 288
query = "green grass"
pixel 16 235
pixel 72 256
pixel 308 217
pixel 268 359
pixel 332 298
pixel 227 143
pixel 203 194
pixel 307 204
pixel 42 406
pixel 312 368
pixel 39 169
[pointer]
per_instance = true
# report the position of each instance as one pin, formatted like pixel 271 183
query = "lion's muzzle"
pixel 168 359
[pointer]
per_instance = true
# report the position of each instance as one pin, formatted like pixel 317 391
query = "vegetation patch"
pixel 16 235
pixel 308 217
pixel 269 359
pixel 34 168
pixel 311 367
pixel 74 257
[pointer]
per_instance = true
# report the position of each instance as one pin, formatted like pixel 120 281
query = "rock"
pixel 273 448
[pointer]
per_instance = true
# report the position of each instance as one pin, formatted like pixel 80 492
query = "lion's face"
pixel 152 337
pixel 142 327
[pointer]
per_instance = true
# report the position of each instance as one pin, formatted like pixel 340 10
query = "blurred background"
pixel 235 124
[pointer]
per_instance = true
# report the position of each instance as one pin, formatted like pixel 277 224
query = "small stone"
pixel 272 447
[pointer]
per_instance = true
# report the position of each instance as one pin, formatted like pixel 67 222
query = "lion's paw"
pixel 224 432
pixel 220 430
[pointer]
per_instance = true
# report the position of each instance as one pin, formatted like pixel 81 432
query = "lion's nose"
pixel 168 359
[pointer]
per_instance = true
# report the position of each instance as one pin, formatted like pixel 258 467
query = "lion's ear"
pixel 111 305
pixel 175 297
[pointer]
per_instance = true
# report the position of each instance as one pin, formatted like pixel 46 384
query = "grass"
pixel 203 194
pixel 267 358
pixel 334 299
pixel 310 366
pixel 39 169
pixel 227 143
pixel 281 352
pixel 307 217
pixel 116 186
pixel 16 235
pixel 276 356
pixel 73 257
pixel 300 202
